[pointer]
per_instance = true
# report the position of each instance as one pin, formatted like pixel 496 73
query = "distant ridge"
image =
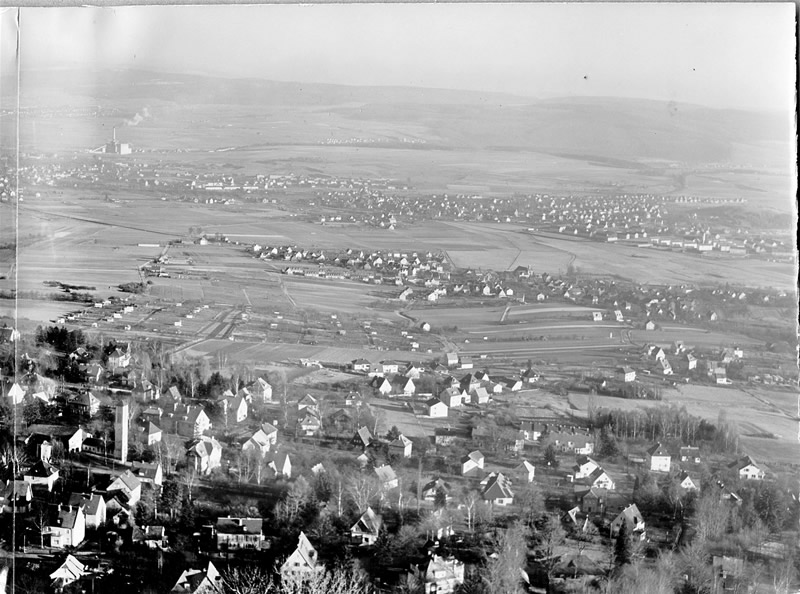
pixel 607 130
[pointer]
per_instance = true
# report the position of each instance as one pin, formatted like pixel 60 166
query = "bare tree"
pixel 362 488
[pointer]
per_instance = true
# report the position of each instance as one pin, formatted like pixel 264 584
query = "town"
pixel 384 334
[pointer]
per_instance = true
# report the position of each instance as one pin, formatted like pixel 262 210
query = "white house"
pixel 436 408
pixel 658 458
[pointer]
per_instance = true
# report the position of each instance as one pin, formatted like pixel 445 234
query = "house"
pixel 309 425
pixel 532 430
pixel 362 438
pixel 16 394
pixel 567 442
pixel 525 471
pixel 409 388
pixel 204 454
pixel 480 396
pixel 234 534
pixel 599 479
pixel 361 365
pixel 650 325
pixel 472 463
pixel 128 485
pixel 690 454
pixel 198 581
pixel 84 405
pixel 15 495
pixel 151 434
pixel 497 489
pixel 400 447
pixel 70 571
pixel 388 367
pixel 584 467
pixel 687 483
pixel 658 458
pixel 340 420
pixel 597 316
pixel 366 530
pixel 190 421
pixel 592 501
pixel 278 465
pixel 152 537
pixel 149 473
pixel 66 526
pixel 387 477
pixel 235 408
pixel 262 390
pixel 441 576
pixel 634 520
pixel 666 368
pixel 747 469
pixel 70 436
pixel 94 508
pixel 308 404
pixel 626 374
pixel 448 435
pixel 385 387
pixel 302 562
pixel 119 359
pixel 453 396
pixel 436 408
pixel 259 443
pixel 691 360
pixel 42 473
pixel 430 489
pixel 452 359
pixel 514 384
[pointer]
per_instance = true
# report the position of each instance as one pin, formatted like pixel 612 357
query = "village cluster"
pixel 105 465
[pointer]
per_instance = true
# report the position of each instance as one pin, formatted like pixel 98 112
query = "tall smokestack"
pixel 114 134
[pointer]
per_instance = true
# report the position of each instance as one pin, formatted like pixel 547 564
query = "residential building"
pixel 94 508
pixel 366 530
pixel 747 469
pixel 386 477
pixel 658 458
pixel 400 447
pixel 441 576
pixel 198 581
pixel 232 534
pixel 472 463
pixel 66 526
pixel 633 518
pixel 204 454
pixel 128 485
pixel 497 490
pixel 436 408
pixel 302 562
pixel 525 471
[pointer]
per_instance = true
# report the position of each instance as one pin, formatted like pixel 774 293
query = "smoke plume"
pixel 138 118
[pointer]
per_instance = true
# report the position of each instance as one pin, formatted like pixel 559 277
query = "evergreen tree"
pixel 550 456
pixel 623 545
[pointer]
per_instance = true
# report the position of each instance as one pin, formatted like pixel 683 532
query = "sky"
pixel 739 55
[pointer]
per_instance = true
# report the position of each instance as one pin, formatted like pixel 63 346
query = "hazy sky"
pixel 721 55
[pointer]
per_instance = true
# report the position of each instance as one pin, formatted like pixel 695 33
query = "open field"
pixel 240 351
pixel 757 412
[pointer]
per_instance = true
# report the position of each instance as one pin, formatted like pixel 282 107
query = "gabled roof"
pixel 306 550
pixel 368 523
pixel 497 487
pixel 401 442
pixel 90 502
pixel 229 525
pixel 657 450
pixel 128 479
pixel 475 456
pixel 385 473
pixel 363 435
